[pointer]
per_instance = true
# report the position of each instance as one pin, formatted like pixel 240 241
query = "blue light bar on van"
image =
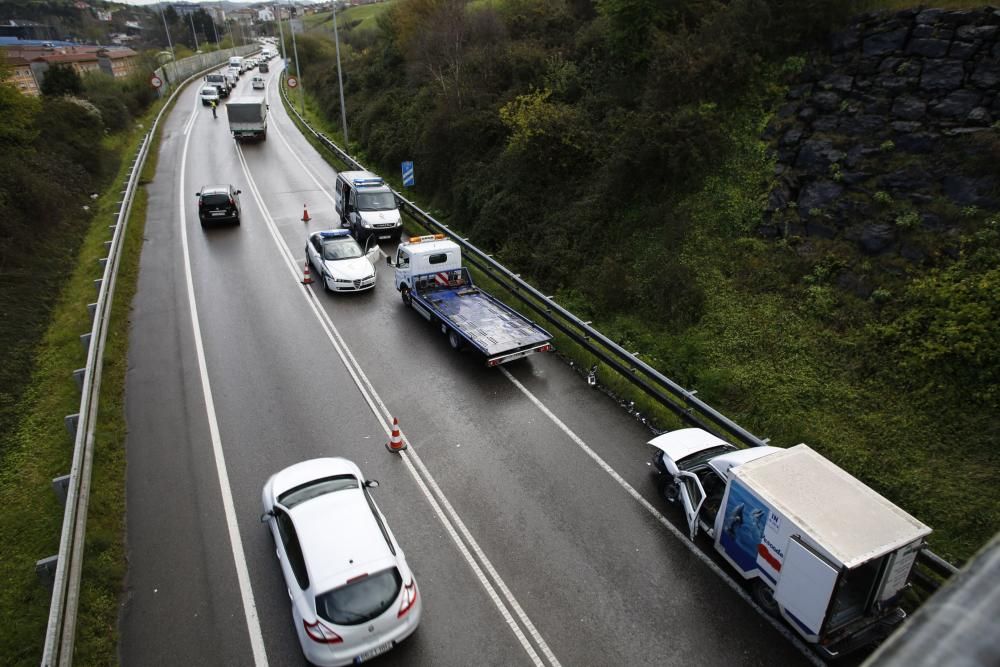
pixel 367 182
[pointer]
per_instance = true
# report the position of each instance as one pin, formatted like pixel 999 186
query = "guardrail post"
pixel 103 261
pixel 85 341
pixel 59 486
pixel 107 245
pixel 71 423
pixel 91 310
pixel 46 570
pixel 78 376
pixel 97 284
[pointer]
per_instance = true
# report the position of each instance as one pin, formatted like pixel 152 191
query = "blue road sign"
pixel 407 174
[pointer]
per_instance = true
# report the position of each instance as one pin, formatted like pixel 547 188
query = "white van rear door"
pixel 805 585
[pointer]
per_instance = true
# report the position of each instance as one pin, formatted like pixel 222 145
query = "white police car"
pixel 340 263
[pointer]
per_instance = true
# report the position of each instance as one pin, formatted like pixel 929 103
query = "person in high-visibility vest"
pixel 213 109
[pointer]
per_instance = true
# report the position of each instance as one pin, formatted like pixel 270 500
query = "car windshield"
pixel 208 91
pixel 362 600
pixel 341 248
pixel 699 458
pixel 376 201
pixel 317 487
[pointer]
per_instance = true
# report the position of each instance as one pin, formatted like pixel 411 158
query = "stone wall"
pixel 893 135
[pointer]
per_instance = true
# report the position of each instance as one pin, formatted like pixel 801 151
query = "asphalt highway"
pixel 524 504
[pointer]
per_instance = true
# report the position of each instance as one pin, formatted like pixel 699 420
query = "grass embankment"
pixel 40 447
pixel 782 352
pixel 360 17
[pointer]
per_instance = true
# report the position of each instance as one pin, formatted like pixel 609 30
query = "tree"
pixel 61 80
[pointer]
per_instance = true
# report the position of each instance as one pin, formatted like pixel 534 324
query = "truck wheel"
pixel 454 340
pixel 764 596
pixel 404 293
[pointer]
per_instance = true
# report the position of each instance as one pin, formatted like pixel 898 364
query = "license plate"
pixel 383 237
pixel 217 213
pixel 368 655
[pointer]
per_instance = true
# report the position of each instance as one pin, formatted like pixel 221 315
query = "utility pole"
pixel 193 32
pixel 340 80
pixel 215 29
pixel 284 58
pixel 170 43
pixel 295 50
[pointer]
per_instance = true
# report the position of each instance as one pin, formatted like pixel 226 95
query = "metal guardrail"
pixel 654 384
pixel 60 632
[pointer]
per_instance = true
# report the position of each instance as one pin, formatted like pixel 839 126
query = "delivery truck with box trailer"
pixel 247 117
pixel 817 547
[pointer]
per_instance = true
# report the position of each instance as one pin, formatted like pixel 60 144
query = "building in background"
pixel 21 76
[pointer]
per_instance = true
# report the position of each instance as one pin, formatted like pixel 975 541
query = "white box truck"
pixel 247 117
pixel 818 548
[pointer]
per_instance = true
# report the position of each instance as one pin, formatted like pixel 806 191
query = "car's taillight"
pixel 320 633
pixel 409 597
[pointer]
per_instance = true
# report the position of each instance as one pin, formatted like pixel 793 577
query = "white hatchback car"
pixel 340 263
pixel 353 595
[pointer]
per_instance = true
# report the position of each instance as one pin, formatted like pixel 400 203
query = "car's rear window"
pixel 215 199
pixel 316 488
pixel 362 600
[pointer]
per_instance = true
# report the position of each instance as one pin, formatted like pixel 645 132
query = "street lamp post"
pixel 340 79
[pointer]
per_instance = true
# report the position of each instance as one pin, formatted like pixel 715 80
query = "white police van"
pixel 367 206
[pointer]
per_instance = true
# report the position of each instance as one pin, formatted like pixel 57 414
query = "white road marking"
pixel 777 624
pixel 235 541
pixel 193 118
pixel 448 516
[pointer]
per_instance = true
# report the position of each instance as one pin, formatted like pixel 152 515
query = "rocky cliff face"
pixel 891 143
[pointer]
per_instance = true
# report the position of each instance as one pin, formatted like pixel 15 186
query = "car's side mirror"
pixel 266 516
pixel 371 483
pixel 388 260
pixel 239 192
pixel 197 194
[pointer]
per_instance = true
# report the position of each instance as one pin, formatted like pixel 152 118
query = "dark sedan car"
pixel 219 203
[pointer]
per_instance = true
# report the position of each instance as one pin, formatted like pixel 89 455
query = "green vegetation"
pixel 628 133
pixel 57 152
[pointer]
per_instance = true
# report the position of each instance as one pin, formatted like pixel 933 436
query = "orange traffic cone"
pixel 305 214
pixel 307 278
pixel 395 443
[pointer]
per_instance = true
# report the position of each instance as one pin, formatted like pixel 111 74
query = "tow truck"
pixel 431 279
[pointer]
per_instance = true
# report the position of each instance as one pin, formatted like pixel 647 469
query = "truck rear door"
pixel 692 497
pixel 805 586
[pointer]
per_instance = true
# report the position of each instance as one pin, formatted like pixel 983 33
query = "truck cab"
pixel 426 257
pixel 367 206
pixel 692 467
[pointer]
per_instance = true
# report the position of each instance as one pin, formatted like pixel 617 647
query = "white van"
pixel 367 206
pixel 236 64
